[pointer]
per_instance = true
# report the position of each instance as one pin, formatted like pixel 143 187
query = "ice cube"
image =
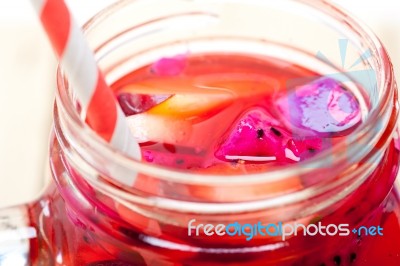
pixel 320 107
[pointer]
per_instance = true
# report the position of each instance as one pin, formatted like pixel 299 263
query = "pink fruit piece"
pixel 132 104
pixel 322 107
pixel 257 137
pixel 169 66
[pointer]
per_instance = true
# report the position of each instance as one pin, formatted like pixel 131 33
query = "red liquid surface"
pixel 214 111
pixel 240 115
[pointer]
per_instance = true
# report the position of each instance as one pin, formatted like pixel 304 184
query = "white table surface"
pixel 27 71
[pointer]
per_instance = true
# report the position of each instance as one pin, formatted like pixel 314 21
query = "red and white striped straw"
pixel 103 114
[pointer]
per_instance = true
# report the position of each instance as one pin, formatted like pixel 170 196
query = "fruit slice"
pixel 254 135
pixel 132 104
pixel 150 127
pixel 188 101
pixel 164 128
pixel 190 107
pixel 199 96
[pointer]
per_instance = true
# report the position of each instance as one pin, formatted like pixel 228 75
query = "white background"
pixel 27 70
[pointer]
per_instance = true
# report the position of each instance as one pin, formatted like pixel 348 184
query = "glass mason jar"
pixel 85 217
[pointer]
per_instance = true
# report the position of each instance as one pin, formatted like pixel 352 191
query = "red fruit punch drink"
pixel 263 143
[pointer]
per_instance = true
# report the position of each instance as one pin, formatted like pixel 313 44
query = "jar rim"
pixel 385 80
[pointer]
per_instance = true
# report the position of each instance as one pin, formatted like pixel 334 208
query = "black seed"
pixel 260 133
pixel 276 132
pixel 359 238
pixel 180 161
pixel 351 210
pixel 86 239
pixel 337 260
pixel 312 150
pixel 129 233
pixel 353 257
